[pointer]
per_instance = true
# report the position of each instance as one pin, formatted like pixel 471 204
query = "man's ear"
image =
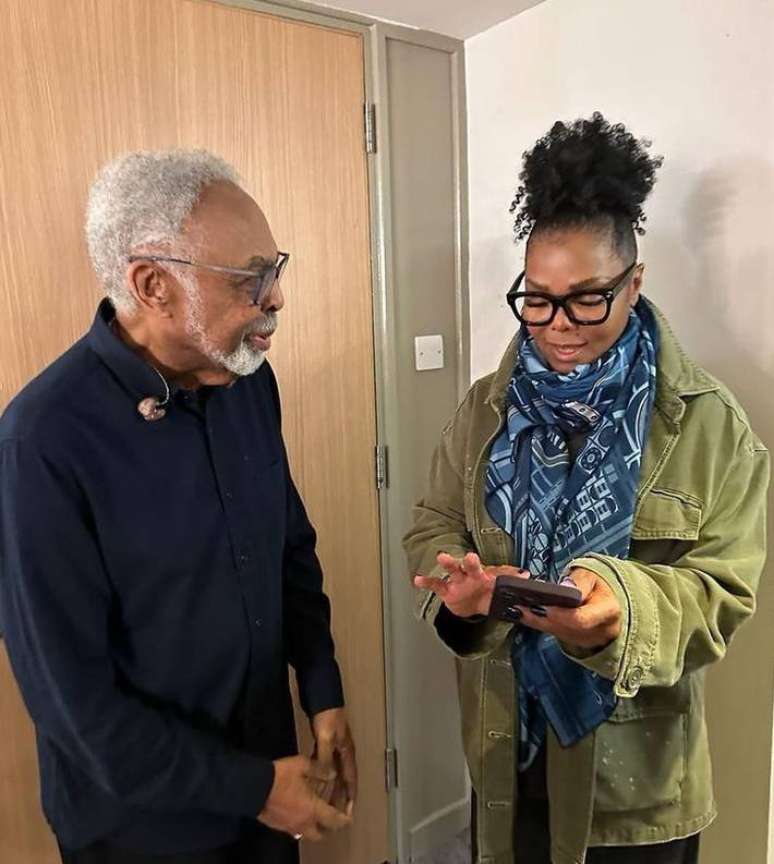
pixel 149 285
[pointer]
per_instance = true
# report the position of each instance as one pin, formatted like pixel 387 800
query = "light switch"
pixel 428 352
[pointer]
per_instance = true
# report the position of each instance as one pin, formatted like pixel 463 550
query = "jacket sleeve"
pixel 55 606
pixel 680 617
pixel 440 526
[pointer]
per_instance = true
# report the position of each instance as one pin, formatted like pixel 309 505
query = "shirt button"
pixel 229 495
pixel 243 559
pixel 635 678
pixel 258 622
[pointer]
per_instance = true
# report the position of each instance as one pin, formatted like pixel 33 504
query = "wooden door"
pixel 83 80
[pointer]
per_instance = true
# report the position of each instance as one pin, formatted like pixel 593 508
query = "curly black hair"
pixel 588 173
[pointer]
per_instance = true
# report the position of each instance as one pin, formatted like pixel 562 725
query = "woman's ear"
pixel 635 289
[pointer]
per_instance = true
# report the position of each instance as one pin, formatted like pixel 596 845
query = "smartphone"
pixel 511 592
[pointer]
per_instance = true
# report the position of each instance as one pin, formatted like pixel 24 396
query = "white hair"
pixel 142 199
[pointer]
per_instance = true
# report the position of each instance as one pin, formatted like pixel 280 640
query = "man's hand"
pixel 292 807
pixel 467 588
pixel 335 753
pixel 594 624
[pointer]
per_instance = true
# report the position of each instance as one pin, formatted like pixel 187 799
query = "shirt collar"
pixel 139 378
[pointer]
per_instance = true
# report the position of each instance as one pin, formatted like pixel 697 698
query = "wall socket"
pixel 428 353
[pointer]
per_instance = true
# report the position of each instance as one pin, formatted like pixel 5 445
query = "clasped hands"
pixel 314 797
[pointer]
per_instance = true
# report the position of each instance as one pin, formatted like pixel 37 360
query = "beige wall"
pixel 698 78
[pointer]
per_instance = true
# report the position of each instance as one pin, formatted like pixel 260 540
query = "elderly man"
pixel 157 567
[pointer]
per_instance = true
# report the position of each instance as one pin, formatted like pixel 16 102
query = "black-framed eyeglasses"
pixel 264 279
pixel 538 308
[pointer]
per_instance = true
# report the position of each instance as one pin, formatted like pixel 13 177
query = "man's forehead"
pixel 228 220
pixel 226 201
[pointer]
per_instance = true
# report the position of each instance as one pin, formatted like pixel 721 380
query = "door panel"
pixel 282 100
pixel 432 806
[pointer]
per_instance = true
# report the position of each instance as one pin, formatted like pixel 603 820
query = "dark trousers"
pixel 258 845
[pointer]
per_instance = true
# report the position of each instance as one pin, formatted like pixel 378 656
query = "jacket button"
pixel 494 735
pixel 635 678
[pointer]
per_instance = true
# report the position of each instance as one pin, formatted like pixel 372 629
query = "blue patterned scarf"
pixel 556 510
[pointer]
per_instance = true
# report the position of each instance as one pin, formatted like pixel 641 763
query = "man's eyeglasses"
pixel 538 308
pixel 259 282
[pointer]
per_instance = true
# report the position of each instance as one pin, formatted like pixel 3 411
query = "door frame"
pixel 376 34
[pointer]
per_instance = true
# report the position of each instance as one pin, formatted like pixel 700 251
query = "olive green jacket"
pixel 698 548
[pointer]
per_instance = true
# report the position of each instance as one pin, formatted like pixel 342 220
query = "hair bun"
pixel 583 170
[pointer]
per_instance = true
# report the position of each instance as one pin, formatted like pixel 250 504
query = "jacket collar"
pixel 678 377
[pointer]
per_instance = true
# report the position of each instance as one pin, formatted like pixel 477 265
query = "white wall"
pixel 459 19
pixel 697 77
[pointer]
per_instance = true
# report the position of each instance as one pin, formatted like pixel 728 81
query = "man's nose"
pixel 274 300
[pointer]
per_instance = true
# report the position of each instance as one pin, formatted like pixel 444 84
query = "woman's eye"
pixel 589 301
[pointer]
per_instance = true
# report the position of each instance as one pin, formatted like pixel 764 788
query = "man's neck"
pixel 177 370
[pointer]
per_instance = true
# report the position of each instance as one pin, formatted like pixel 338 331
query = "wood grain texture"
pixel 24 837
pixel 83 80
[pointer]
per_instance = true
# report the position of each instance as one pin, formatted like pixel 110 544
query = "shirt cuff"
pixel 469 639
pixel 247 782
pixel 320 688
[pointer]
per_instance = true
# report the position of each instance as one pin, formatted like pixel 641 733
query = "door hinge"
pixel 391 769
pixel 382 478
pixel 370 127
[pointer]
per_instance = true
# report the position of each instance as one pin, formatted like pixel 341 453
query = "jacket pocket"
pixel 667 514
pixel 641 751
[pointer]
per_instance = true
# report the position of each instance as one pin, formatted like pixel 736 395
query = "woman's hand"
pixel 467 587
pixel 594 624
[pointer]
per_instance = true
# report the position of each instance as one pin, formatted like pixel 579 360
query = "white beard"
pixel 244 360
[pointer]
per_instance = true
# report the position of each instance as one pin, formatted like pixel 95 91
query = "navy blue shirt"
pixel 156 579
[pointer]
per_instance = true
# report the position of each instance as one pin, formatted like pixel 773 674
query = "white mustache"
pixel 265 327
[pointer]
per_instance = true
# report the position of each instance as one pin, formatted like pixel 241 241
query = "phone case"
pixel 511 592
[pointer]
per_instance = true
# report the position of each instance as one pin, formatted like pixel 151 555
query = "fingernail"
pixel 540 611
pixel 568 580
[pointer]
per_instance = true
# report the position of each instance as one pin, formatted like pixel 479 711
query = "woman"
pixel 597 453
